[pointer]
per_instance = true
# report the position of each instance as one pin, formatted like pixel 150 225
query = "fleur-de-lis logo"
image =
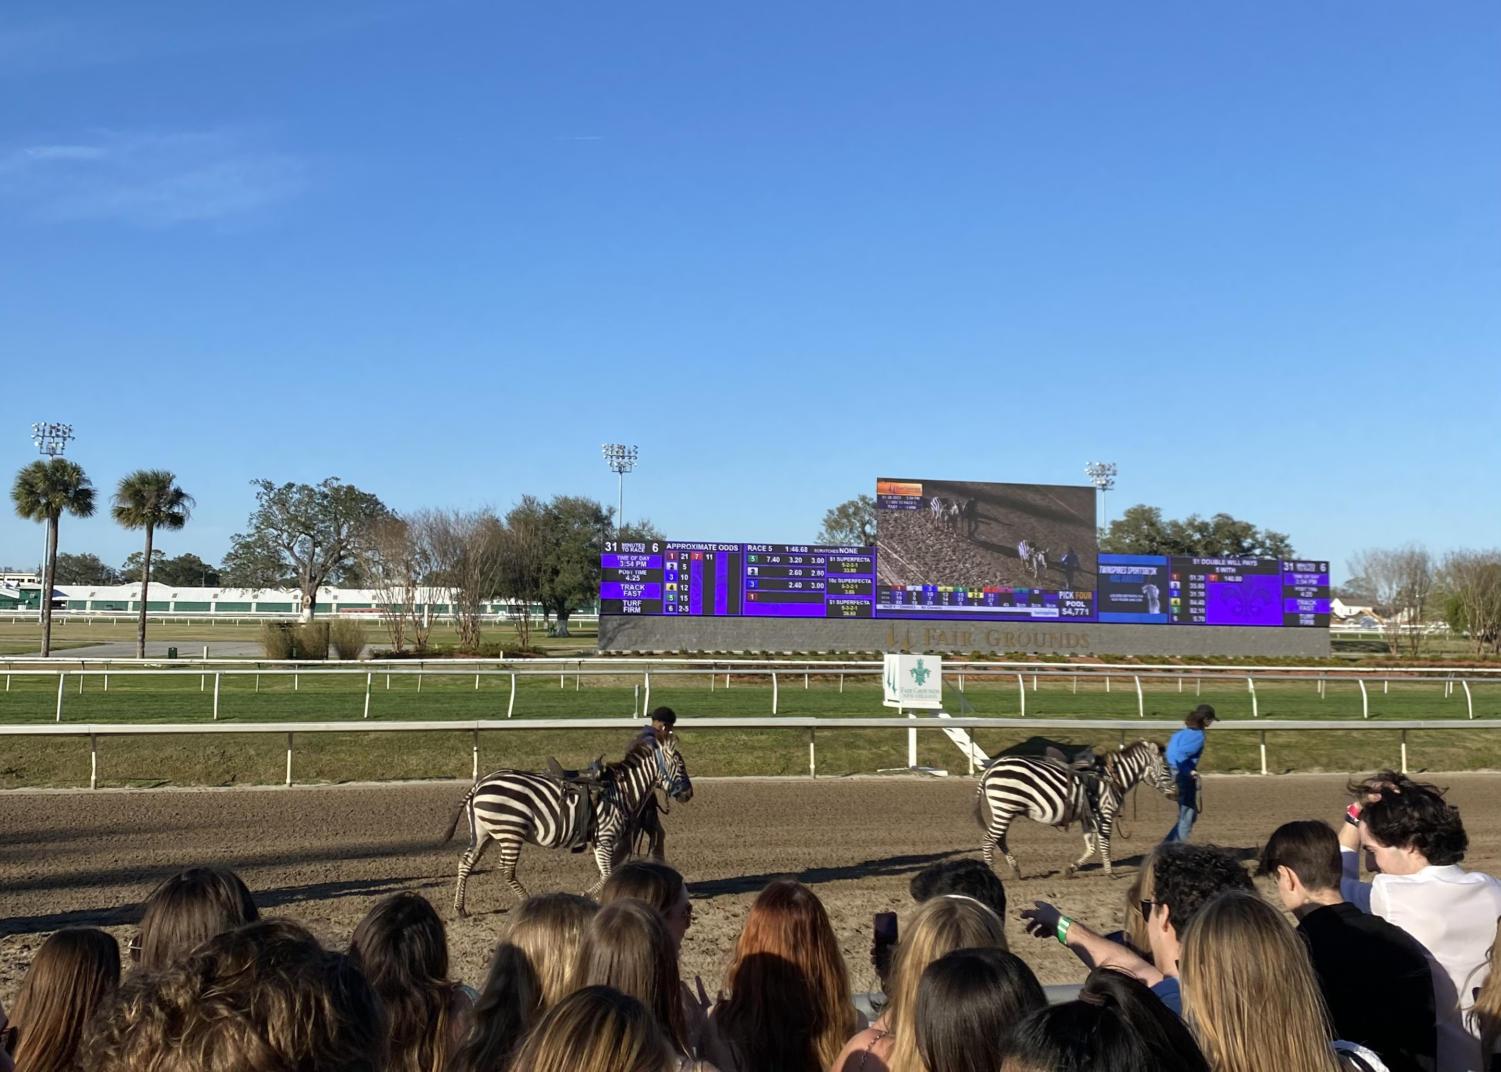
pixel 920 673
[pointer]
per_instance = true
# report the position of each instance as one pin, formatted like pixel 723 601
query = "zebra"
pixel 1048 791
pixel 513 806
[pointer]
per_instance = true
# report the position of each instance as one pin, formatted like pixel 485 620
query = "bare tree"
pixel 523 562
pixel 1402 579
pixel 395 563
pixel 465 550
pixel 1472 582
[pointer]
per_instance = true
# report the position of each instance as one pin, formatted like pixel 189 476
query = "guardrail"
pixel 910 724
pixel 1449 679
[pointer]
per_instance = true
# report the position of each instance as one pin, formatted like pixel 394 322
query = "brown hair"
pixel 187 910
pixel 627 946
pixel 789 1006
pixel 1412 815
pixel 936 928
pixel 263 998
pixel 403 950
pixel 596 1029
pixel 549 928
pixel 1200 717
pixel 1307 848
pixel 1134 925
pixel 70 975
pixel 1250 995
pixel 645 880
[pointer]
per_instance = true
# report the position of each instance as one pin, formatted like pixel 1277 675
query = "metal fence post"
pixel 812 754
pixel 476 754
pixel 216 696
pixel 1141 703
pixel 1365 699
pixel 1021 690
pixel 93 761
pixel 511 703
pixel 1251 685
pixel 289 759
pixel 62 680
pixel 1263 751
pixel 646 695
pixel 1469 700
pixel 1404 751
pixel 368 678
pixel 773 692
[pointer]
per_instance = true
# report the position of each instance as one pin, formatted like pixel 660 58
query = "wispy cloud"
pixel 149 179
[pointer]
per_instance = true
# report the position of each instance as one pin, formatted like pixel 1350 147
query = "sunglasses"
pixel 1146 908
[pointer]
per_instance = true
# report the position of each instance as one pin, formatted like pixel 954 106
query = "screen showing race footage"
pixel 949 550
pixel 984 551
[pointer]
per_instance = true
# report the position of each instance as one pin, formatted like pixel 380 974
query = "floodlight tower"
pixel 51 439
pixel 621 459
pixel 1102 476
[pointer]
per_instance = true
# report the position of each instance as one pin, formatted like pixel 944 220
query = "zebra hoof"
pixel 1071 871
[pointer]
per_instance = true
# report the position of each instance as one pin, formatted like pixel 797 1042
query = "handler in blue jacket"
pixel 1184 749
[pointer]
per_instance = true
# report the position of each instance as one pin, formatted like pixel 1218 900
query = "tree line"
pixel 307 536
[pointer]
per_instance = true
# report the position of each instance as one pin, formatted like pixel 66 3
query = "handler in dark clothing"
pixel 1374 976
pixel 662 721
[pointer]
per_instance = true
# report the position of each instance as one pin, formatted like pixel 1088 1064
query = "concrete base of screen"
pixel 841 635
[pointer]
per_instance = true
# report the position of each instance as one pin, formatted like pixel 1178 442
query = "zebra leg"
pixel 1091 839
pixel 658 849
pixel 510 852
pixel 997 836
pixel 466 865
pixel 1104 839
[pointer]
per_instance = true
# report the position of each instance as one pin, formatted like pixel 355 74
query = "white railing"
pixel 811 724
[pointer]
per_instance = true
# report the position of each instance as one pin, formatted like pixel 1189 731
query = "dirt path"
pixel 323 856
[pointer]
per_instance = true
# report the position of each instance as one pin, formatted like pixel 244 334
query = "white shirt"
pixel 1452 913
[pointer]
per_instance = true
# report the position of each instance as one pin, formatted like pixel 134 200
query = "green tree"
pixel 522 565
pixel 130 569
pixel 851 522
pixel 44 491
pixel 1141 530
pixel 84 569
pixel 149 499
pixel 552 553
pixel 640 530
pixel 186 570
pixel 301 535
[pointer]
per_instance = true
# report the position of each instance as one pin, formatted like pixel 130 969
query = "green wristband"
pixel 1064 923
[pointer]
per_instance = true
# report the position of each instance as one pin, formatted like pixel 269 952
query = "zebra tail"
pixel 982 809
pixel 459 811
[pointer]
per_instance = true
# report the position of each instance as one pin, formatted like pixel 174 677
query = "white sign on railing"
pixel 914 681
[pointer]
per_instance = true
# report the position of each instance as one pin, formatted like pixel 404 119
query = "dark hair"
pixel 644 880
pixel 507 1008
pixel 1200 717
pixel 1116 1025
pixel 967 1003
pixel 972 878
pixel 188 909
pixel 403 950
pixel 1309 849
pixel 596 1029
pixel 265 997
pixel 1185 876
pixel 665 715
pixel 1412 815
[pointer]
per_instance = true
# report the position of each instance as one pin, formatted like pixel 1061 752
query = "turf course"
pixel 247 698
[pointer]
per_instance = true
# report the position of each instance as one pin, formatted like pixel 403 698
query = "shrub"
pixel 347 637
pixel 285 641
pixel 277 639
pixel 312 641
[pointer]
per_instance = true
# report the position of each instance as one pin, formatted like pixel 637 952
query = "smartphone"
pixel 885 928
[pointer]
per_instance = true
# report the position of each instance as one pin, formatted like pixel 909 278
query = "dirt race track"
pixel 323 856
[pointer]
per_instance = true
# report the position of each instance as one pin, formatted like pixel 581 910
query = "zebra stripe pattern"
pixel 1051 792
pixel 513 807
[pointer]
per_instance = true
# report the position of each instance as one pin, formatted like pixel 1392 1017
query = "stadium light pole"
pixel 51 439
pixel 621 459
pixel 1102 475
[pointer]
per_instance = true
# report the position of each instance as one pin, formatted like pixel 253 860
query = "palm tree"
pixel 150 499
pixel 42 491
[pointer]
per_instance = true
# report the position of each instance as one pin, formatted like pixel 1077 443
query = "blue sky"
pixel 443 250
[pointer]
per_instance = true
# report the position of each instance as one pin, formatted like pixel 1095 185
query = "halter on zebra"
pixel 513 806
pixel 1047 791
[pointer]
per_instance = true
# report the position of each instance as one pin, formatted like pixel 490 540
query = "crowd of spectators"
pixel 1399 972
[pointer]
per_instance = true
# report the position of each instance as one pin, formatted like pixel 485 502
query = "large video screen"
pixel 771 580
pixel 955 550
pixel 998 552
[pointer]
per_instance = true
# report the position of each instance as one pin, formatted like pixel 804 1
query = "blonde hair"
pixel 937 928
pixel 549 929
pixel 627 946
pixel 72 973
pixel 596 1029
pixel 1250 995
pixel 1485 1016
pixel 1134 925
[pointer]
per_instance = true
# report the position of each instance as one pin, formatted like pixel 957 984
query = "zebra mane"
pixel 642 747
